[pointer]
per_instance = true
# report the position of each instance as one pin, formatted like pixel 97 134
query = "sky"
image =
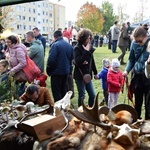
pixel 73 6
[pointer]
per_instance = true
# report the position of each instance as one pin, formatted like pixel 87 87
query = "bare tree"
pixel 123 17
pixel 142 11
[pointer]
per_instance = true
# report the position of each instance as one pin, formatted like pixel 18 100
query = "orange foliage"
pixel 91 17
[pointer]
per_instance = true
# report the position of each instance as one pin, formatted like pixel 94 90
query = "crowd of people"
pixel 71 57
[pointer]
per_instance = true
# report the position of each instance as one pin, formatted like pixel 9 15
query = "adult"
pixel 109 39
pixel 74 34
pixel 101 39
pixel 96 40
pixel 36 94
pixel 3 48
pixel 59 65
pixel 137 58
pixel 84 62
pixel 114 36
pixel 123 43
pixel 36 50
pixel 66 33
pixel 37 35
pixel 17 61
pixel 129 30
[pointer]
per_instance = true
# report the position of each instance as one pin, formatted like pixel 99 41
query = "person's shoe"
pixel 122 63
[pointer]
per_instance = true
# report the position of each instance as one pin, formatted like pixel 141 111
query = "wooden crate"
pixel 42 127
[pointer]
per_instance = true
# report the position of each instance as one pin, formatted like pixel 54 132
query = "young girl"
pixel 103 75
pixel 115 82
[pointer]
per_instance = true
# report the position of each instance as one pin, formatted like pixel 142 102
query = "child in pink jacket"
pixel 115 82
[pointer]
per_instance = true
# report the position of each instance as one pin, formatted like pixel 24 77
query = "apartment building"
pixel 42 14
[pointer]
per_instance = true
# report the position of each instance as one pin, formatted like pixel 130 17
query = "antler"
pixel 91 115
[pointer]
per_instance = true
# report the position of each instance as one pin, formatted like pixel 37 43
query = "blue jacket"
pixel 60 58
pixel 103 75
pixel 137 57
pixel 43 40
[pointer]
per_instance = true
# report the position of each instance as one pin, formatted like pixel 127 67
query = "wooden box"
pixel 42 127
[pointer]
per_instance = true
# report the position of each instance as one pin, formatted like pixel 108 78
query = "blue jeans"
pixel 81 86
pixel 114 45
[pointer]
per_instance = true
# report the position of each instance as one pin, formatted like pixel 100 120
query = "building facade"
pixel 43 14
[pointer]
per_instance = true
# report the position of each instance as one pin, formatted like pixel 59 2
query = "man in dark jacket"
pixel 40 37
pixel 59 65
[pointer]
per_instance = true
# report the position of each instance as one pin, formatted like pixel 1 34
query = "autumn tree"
pixel 90 17
pixel 8 17
pixel 109 16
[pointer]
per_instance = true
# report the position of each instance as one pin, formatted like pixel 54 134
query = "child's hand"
pixel 96 77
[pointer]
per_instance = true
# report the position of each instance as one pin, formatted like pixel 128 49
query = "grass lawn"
pixel 99 54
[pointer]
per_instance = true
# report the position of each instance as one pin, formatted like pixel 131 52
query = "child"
pixel 5 84
pixel 115 82
pixel 3 69
pixel 103 75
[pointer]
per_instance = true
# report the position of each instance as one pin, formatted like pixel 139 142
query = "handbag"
pixel 86 77
pixel 20 77
pixel 31 70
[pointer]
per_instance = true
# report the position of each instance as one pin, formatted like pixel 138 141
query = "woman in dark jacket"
pixel 84 64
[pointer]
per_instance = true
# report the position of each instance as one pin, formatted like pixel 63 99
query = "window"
pixel 43 12
pixel 33 10
pixel 46 13
pixel 34 19
pixel 30 28
pixel 43 28
pixel 51 29
pixel 50 8
pixel 29 18
pixel 18 8
pixel 24 27
pixel 29 9
pixel 39 22
pixel 19 27
pixel 43 20
pixel 19 17
pixel 46 20
pixel 23 17
pixel 50 15
pixel 23 8
pixel 38 14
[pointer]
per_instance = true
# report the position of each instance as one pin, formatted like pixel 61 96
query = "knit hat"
pixel 106 62
pixel 115 63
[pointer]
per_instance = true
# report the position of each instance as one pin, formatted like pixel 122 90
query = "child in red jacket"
pixel 115 82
